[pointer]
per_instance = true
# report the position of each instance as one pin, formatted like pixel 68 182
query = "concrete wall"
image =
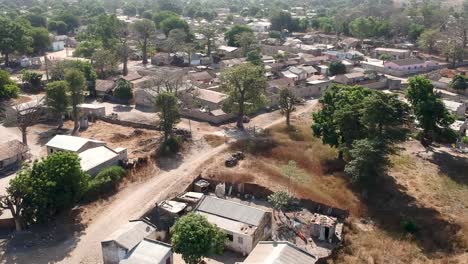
pixel 11 162
pixel 112 253
pixel 207 117
pixel 381 69
pixel 310 90
pixel 241 243
pixel 112 162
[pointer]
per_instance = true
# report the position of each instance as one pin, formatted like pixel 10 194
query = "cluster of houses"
pixel 248 229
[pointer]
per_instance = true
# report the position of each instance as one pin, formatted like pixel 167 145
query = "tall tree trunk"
pixel 288 120
pixel 209 48
pixel 145 47
pixel 24 135
pixel 125 66
pixel 240 116
pixel 18 224
pixel 7 59
pixel 76 120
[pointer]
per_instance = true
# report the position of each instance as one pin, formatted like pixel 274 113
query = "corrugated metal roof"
pixel 69 143
pixel 278 252
pixel 231 210
pixel 94 157
pixel 148 252
pixel 132 233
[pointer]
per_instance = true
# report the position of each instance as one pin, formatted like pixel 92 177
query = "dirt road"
pixel 134 201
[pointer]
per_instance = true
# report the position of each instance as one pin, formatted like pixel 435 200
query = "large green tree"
pixel 459 82
pixel 173 22
pixel 167 104
pixel 76 85
pixel 231 34
pixel 287 103
pixel 57 99
pixel 195 238
pixel 8 88
pixel 245 86
pixel 52 185
pixel 40 40
pixel 428 108
pixel 123 90
pixel 14 37
pixel 144 29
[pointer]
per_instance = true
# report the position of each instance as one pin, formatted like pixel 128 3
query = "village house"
pixel 120 244
pixel 104 87
pixel 71 144
pixel 409 66
pixel 372 81
pixel 12 153
pixel 229 52
pixel 276 252
pixel 161 59
pixel 244 225
pixel 93 160
pixel 260 26
pixel 396 54
pixel 456 108
pixel 326 228
pixel 231 63
pixel 92 110
pixel 150 251
pixel 94 154
pixel 58 42
pixel 203 78
pixel 311 88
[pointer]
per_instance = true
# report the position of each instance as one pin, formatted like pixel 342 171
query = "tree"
pixel 25 116
pixel 40 40
pixel 209 33
pixel 13 38
pixel 161 16
pixel 287 103
pixel 76 85
pixel 453 51
pixel 231 35
pixel 385 57
pixel 255 57
pixel 169 114
pixel 105 61
pixel 173 22
pixel 245 86
pixel 123 90
pixel 279 200
pixel 8 88
pixel 58 70
pixel 86 49
pixel 428 39
pixel 71 21
pixel 36 20
pixel 281 20
pixel 123 49
pixel 57 99
pixel 427 107
pixel 144 29
pixel 129 10
pixel 195 238
pixel 33 79
pixel 352 113
pixel 245 40
pixel 52 185
pixel 59 27
pixel 459 82
pixel 337 67
pixel 368 159
pixel 361 28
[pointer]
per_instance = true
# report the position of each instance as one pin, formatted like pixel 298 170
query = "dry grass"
pixel 214 140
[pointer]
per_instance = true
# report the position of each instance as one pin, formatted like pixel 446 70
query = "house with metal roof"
pixel 94 160
pixel 244 225
pixel 279 252
pixel 71 144
pixel 119 245
pixel 12 153
pixel 150 251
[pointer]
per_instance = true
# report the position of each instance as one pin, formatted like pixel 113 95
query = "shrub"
pixel 465 140
pixel 409 226
pixel 105 181
pixel 171 146
pixel 10 91
pixel 123 90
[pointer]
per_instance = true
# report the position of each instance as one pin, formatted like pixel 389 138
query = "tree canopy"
pixel 195 238
pixel 167 104
pixel 236 30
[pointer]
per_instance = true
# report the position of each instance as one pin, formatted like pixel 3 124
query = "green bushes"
pixel 106 181
pixel 10 91
pixel 171 146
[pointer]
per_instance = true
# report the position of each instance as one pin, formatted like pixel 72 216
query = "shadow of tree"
pixel 390 207
pixel 456 167
pixel 44 137
pixel 123 108
pixel 48 243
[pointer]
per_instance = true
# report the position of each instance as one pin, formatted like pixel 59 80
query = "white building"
pixel 278 252
pixel 150 251
pixel 71 144
pixel 260 26
pixel 119 245
pixel 94 160
pixel 244 225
